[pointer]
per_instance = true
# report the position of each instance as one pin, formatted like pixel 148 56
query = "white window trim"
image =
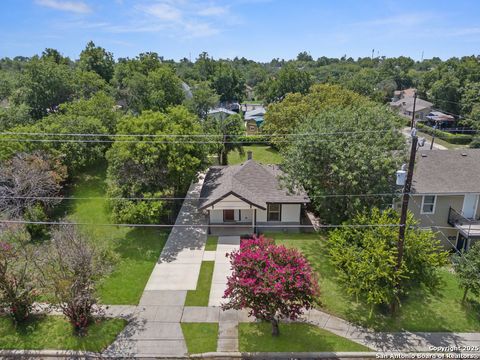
pixel 434 205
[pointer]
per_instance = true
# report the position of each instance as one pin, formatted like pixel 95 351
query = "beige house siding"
pixel 439 217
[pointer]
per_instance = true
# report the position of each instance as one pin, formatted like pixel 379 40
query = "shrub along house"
pixel 445 194
pixel 249 198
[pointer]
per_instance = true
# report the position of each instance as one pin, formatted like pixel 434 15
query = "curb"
pixel 66 354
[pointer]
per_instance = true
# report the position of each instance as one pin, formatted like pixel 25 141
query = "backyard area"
pixel 261 153
pixel 422 311
pixel 133 251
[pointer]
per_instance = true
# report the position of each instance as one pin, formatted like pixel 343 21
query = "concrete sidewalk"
pixel 225 245
pixel 155 330
pixel 179 264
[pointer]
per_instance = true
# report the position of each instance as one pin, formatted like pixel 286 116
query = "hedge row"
pixel 459 139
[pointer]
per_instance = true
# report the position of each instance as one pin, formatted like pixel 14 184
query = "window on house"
pixel 274 212
pixel 428 204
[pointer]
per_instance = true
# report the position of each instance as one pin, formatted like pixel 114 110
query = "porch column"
pixel 254 216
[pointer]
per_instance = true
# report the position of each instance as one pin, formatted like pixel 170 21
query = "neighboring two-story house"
pixel 445 195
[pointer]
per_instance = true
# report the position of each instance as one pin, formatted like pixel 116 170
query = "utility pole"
pixel 413 113
pixel 433 135
pixel 406 197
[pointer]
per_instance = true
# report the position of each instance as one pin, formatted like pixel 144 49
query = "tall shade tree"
pixel 271 281
pixel 360 156
pixel 288 80
pixel 160 166
pixel 228 83
pixel 227 132
pixel 364 254
pixel 44 86
pixel 203 99
pixel 97 59
pixel 284 117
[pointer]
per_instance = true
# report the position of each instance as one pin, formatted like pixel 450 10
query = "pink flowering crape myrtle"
pixel 273 282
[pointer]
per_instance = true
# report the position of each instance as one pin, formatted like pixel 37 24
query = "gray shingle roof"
pixel 420 104
pixel 255 183
pixel 447 171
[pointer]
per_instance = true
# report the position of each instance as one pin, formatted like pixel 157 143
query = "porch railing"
pixel 456 218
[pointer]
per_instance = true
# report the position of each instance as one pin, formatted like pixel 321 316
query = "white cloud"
pixel 72 6
pixel 162 11
pixel 196 30
pixel 213 11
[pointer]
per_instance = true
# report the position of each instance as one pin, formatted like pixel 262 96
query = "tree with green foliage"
pixel 467 269
pixel 153 167
pixel 204 98
pixel 18 285
pixel 97 59
pixel 87 83
pixel 445 93
pixel 364 253
pixel 55 56
pixel 15 116
pixel 284 117
pixel 304 56
pixel 145 83
pixel 227 130
pixel 288 80
pixel 360 157
pixel 44 86
pixel 164 88
pixel 228 83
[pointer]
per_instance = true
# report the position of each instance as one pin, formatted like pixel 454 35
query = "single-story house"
pixel 405 107
pixel 400 94
pixel 248 198
pixel 445 195
pixel 254 119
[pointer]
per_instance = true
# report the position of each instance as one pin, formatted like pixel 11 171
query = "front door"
pixel 228 215
pixel 470 202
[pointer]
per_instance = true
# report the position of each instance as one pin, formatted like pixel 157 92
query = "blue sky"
pixel 256 29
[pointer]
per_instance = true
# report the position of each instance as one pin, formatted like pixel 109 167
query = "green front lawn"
pixel 55 332
pixel 261 153
pixel 200 337
pixel 134 251
pixel 211 244
pixel 420 312
pixel 199 296
pixel 294 337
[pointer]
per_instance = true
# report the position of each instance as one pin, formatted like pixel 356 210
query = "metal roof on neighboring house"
pixel 252 182
pixel 221 110
pixel 439 116
pixel 258 112
pixel 447 171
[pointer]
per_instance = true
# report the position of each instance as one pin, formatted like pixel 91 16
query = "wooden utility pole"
pixel 406 197
pixel 413 113
pixel 433 135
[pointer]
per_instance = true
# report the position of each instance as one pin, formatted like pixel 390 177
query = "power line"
pixel 58 223
pixel 174 198
pixel 195 135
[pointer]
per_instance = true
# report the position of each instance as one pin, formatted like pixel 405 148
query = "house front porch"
pixel 468 229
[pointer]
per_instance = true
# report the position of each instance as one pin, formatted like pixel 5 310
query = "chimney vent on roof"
pixel 464 154
pixel 249 155
pixel 424 155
